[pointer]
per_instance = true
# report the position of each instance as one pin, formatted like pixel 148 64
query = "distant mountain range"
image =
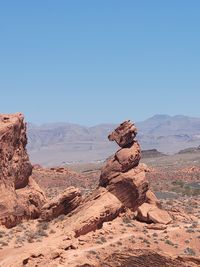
pixel 61 143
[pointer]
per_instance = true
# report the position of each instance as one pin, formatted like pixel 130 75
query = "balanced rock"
pixel 122 175
pixel 20 197
pixel 125 177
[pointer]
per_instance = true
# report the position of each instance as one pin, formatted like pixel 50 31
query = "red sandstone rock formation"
pixel 152 214
pixel 122 186
pixel 62 204
pixel 100 207
pixel 124 177
pixel 20 197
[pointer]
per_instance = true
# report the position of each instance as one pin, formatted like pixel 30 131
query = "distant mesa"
pixel 152 153
pixel 190 150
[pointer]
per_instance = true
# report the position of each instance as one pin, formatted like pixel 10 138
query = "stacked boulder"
pixel 124 176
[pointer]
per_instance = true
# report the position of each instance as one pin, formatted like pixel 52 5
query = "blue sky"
pixel 90 61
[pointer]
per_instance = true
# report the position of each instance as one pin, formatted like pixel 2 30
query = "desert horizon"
pixel 66 143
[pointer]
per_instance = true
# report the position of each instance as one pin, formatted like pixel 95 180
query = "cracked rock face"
pixel 64 203
pixel 20 197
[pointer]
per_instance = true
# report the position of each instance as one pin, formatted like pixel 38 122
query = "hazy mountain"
pixel 59 143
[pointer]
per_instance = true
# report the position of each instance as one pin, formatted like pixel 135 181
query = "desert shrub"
pixel 169 242
pixel 20 239
pixel 189 230
pixel 93 252
pixel 2 233
pixel 178 183
pixel 40 232
pixel 129 225
pixel 194 225
pixel 189 251
pixel 43 225
pixel 52 231
pixel 103 239
pixel 146 241
pixel 99 242
pixel 3 243
pixel 59 218
pixel 126 220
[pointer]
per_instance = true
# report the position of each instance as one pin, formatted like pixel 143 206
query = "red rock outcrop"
pixel 152 214
pixel 64 203
pixel 20 197
pixel 124 177
pixel 102 206
pixel 122 185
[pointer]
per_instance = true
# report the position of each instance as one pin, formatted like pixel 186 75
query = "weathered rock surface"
pixel 152 199
pixel 125 177
pixel 13 157
pixel 145 258
pixel 122 175
pixel 100 207
pixel 152 214
pixel 124 134
pixel 20 197
pixel 62 204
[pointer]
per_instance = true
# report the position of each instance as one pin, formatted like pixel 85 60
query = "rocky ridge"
pixel 20 196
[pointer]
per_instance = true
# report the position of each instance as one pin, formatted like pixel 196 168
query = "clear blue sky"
pixel 99 61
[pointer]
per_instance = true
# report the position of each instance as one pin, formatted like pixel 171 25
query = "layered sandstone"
pixel 100 207
pixel 20 197
pixel 64 203
pixel 124 176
